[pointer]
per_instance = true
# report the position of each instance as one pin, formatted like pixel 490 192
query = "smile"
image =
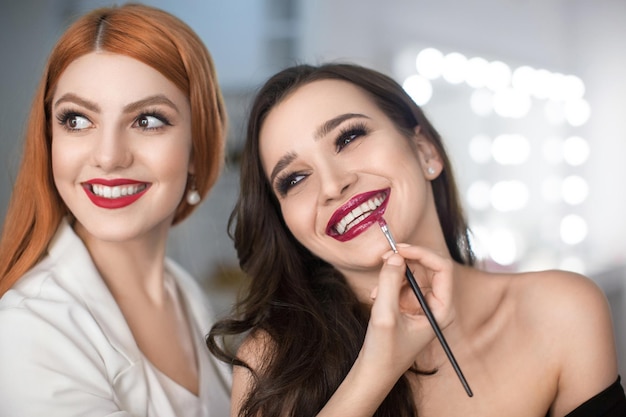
pixel 117 191
pixel 357 215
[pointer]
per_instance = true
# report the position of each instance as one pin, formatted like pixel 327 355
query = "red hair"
pixel 151 36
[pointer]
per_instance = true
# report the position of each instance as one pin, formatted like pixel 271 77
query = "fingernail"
pixel 395 260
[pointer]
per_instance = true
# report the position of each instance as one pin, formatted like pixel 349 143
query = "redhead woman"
pixel 329 325
pixel 125 138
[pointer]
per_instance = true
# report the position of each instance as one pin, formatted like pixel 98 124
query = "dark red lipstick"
pixel 357 214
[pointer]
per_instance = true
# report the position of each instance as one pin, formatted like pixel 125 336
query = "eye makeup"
pixel 154 114
pixel 68 120
pixel 349 133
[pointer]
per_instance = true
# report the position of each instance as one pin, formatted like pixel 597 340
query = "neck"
pixel 131 268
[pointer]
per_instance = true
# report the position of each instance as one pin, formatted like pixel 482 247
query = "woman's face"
pixel 121 146
pixel 337 163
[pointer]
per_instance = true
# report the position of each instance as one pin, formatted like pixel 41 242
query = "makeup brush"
pixel 427 312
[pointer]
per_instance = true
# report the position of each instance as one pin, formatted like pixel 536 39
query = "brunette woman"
pixel 330 326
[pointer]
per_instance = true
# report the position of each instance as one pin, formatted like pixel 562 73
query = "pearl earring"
pixel 193 196
pixel 431 171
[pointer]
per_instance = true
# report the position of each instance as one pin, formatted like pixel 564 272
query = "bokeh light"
pixel 419 88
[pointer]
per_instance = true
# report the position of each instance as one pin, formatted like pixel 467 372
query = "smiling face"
pixel 121 146
pixel 336 163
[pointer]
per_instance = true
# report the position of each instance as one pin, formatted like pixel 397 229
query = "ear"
pixel 428 155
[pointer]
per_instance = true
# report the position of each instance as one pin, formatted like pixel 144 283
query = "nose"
pixel 112 150
pixel 335 181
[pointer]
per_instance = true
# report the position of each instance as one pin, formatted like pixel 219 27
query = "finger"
pixel 436 272
pixel 425 257
pixel 390 282
pixel 387 254
pixel 374 293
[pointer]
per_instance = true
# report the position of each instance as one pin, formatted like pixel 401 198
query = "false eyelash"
pixel 67 114
pixel 350 132
pixel 284 182
pixel 157 115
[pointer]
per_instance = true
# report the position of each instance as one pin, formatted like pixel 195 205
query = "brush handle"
pixel 435 326
pixel 427 312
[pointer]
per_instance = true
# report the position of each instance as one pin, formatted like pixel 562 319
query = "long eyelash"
pixel 66 115
pixel 156 114
pixel 354 129
pixel 283 183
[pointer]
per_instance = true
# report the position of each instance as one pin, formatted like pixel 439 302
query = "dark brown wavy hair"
pixel 315 322
pixel 157 39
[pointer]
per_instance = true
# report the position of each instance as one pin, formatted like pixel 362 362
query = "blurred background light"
pixel 575 150
pixel 509 195
pixel 552 150
pixel 478 195
pixel 554 112
pixel 476 76
pixel 454 68
pixel 573 88
pixel 522 79
pixel 498 75
pixel 574 264
pixel 574 190
pixel 555 86
pixel 419 88
pixel 577 112
pixel 481 102
pixel 429 63
pixel 573 229
pixel 508 102
pixel 480 148
pixel 502 247
pixel 510 149
pixel 541 83
pixel 551 189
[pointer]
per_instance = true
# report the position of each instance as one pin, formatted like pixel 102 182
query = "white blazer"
pixel 66 349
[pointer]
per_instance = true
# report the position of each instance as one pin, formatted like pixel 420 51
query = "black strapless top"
pixel 609 403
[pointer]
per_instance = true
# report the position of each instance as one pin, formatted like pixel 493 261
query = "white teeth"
pixel 117 191
pixel 359 213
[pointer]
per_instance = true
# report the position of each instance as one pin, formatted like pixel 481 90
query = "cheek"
pixel 64 160
pixel 299 218
pixel 171 160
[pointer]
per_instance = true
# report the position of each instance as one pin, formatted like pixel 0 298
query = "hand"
pixel 398 329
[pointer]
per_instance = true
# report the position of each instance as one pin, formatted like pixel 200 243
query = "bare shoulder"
pixel 255 349
pixel 571 322
pixel 560 297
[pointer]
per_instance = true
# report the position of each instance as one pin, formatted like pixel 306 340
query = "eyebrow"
pixel 150 101
pixel 320 132
pixel 282 164
pixel 129 108
pixel 331 124
pixel 73 98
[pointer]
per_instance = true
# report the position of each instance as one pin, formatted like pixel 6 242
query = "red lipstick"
pixel 114 193
pixel 357 214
